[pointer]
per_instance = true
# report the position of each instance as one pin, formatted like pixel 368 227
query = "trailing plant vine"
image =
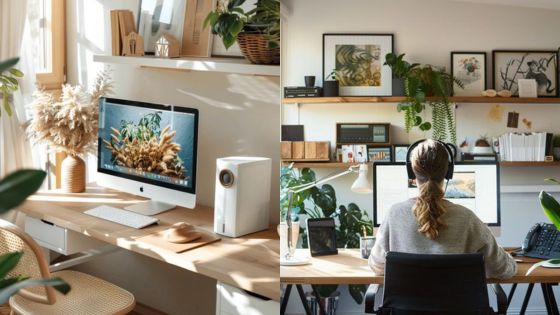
pixel 421 81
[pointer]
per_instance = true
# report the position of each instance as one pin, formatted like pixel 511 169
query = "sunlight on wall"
pixel 93 28
pixel 261 89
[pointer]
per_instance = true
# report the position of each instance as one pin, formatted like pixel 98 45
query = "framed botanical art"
pixel 399 152
pixel 512 65
pixel 357 60
pixel 470 69
pixel 379 154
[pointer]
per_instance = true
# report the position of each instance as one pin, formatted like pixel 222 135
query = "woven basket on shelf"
pixel 255 48
pixel 73 174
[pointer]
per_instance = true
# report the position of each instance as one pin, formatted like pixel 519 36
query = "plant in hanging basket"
pixel 256 31
pixel 69 125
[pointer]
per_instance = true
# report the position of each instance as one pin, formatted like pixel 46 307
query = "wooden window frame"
pixel 53 80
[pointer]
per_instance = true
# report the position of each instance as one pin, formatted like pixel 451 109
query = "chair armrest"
pixel 370 298
pixel 501 298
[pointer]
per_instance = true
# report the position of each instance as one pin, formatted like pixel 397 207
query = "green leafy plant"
pixel 320 202
pixel 8 82
pixel 229 19
pixel 550 205
pixel 421 82
pixel 333 76
pixel 14 189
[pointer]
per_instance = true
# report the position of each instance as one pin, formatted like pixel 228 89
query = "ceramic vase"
pixel 73 174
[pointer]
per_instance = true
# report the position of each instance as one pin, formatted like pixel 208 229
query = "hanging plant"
pixel 421 81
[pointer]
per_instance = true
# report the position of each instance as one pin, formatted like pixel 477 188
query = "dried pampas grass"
pixel 70 123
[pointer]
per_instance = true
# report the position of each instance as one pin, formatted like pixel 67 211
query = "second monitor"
pixel 475 185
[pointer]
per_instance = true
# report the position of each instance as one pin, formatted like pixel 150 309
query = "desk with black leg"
pixel 348 267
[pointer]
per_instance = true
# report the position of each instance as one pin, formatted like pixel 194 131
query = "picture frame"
pixel 169 17
pixel 511 65
pixel 470 68
pixel 360 153
pixel 372 78
pixel 380 154
pixel 399 152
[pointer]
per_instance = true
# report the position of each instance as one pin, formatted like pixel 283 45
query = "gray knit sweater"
pixel 465 233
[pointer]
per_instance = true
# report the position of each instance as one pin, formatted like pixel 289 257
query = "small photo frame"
pixel 512 65
pixel 470 68
pixel 348 153
pixel 158 17
pixel 379 154
pixel 360 153
pixel 358 60
pixel 321 236
pixel 399 152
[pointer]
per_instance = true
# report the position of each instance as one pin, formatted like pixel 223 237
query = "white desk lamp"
pixel 361 185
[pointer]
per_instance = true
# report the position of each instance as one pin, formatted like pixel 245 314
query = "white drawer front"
pixel 234 301
pixel 47 235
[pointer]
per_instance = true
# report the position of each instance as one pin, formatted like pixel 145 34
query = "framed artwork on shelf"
pixel 470 68
pixel 399 152
pixel 357 60
pixel 379 154
pixel 360 152
pixel 512 65
pixel 158 17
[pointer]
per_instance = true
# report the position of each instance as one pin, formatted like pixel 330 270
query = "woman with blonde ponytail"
pixel 429 224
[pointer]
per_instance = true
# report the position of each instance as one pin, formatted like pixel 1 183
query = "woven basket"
pixel 73 174
pixel 255 48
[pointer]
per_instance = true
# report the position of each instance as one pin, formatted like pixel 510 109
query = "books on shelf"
pixel 532 146
pixel 122 24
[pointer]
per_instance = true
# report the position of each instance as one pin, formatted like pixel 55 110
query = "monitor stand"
pixel 150 207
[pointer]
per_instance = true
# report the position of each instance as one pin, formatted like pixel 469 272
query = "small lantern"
pixel 167 46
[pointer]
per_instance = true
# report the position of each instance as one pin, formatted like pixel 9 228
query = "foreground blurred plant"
pixel 70 123
pixel 14 189
pixel 550 205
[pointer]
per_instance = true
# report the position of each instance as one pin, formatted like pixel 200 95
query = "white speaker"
pixel 242 198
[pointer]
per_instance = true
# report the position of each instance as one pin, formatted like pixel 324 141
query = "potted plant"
pixel 550 205
pixel 330 84
pixel 69 125
pixel 556 147
pixel 256 31
pixel 421 82
pixel 8 83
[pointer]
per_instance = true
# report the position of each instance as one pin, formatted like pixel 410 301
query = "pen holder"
pixel 366 244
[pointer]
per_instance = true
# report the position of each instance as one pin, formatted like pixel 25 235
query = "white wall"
pixel 427 31
pixel 239 115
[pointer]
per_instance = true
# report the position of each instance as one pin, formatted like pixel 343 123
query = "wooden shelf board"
pixel 346 165
pixel 227 65
pixel 397 99
pixel 527 163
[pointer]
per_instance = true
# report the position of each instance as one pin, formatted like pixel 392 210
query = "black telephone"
pixel 542 241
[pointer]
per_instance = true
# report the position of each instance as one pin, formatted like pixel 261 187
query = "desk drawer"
pixel 234 301
pixel 46 234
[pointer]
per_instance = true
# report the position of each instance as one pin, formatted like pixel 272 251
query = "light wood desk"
pixel 249 262
pixel 348 267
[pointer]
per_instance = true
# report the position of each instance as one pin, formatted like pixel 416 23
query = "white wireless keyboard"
pixel 121 216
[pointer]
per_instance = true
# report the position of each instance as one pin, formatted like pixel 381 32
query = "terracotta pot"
pixel 73 174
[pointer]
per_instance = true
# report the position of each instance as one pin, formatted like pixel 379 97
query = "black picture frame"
pixel 474 91
pixel 386 148
pixel 394 156
pixel 321 236
pixel 386 79
pixel 552 73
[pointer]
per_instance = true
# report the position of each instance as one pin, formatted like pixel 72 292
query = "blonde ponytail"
pixel 429 163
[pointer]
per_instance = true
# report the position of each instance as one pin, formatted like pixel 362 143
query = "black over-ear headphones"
pixel 451 151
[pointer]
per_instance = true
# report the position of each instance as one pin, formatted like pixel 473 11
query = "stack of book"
pixel 533 146
pixel 122 23
pixel 302 91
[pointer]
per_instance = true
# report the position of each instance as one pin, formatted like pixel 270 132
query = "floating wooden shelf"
pixel 397 99
pixel 346 165
pixel 527 163
pixel 227 65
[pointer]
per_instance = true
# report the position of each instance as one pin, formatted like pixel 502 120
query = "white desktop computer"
pixel 475 185
pixel 149 150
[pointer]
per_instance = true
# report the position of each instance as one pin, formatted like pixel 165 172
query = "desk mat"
pixel 156 239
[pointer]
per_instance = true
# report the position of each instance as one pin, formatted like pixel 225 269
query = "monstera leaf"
pixel 325 198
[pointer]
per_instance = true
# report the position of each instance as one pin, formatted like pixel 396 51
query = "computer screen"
pixel 475 185
pixel 149 143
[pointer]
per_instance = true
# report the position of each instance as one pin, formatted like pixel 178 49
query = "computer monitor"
pixel 475 185
pixel 148 150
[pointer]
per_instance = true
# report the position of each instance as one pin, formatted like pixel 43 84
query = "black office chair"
pixel 417 284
